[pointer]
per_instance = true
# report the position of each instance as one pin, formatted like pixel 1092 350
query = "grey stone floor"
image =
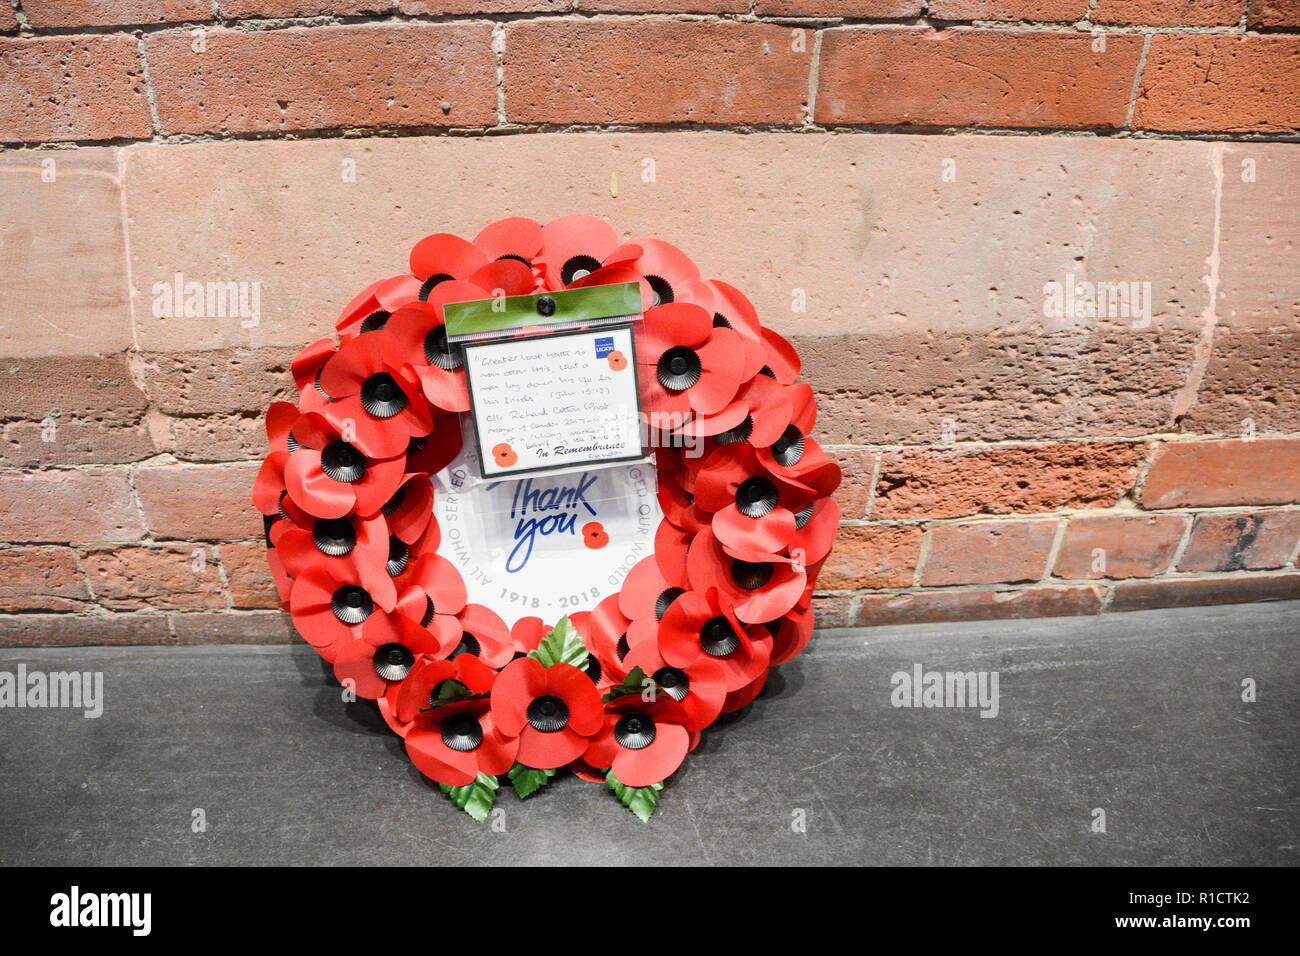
pixel 1139 715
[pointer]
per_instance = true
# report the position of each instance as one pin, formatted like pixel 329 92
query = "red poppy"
pixel 604 631
pixel 485 635
pixel 553 710
pixel 382 656
pixel 700 625
pixel 699 689
pixel 790 634
pixel 454 746
pixel 417 335
pixel 353 547
pixel 754 510
pixel 329 477
pixel 693 366
pixel 515 238
pixel 815 530
pixel 759 587
pixel 645 596
pixel 744 696
pixel 572 248
pixel 431 453
pixel 382 399
pixel 371 308
pixel 643 742
pixel 528 632
pixel 663 266
pixel 409 512
pixel 413 698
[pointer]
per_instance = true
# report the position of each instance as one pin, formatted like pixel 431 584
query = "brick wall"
pixel 894 183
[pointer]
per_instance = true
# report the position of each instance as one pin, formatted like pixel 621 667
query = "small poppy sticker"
pixel 594 535
pixel 505 455
pixel 617 361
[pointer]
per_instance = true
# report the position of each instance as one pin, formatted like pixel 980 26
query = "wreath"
pixel 619 693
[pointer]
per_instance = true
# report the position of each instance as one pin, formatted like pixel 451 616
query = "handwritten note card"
pixel 555 401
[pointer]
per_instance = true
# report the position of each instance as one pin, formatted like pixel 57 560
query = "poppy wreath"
pixel 619 694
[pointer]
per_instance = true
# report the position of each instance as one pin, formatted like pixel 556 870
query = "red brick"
pixel 330 77
pixel 134 578
pixel 920 607
pixel 218 381
pixel 1253 378
pixel 1134 546
pixel 89 13
pixel 662 6
pixel 1220 83
pixel 997 479
pixel 200 502
pixel 1059 11
pixel 1231 542
pixel 854 493
pixel 881 9
pixel 721 72
pixel 1194 592
pixel 76 630
pixel 1192 13
pixel 45 579
pixel 264 9
pixel 90 504
pixel 258 627
pixel 989 552
pixel 832 611
pixel 1274 13
pixel 215 438
pixel 72 88
pixel 8 19
pixel 462 7
pixel 971 77
pixel 248 576
pixel 872 556
pixel 1229 472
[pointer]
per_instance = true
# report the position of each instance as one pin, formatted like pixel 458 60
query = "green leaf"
pixel 633 683
pixel 474 798
pixel 562 646
pixel 640 800
pixel 452 692
pixel 527 780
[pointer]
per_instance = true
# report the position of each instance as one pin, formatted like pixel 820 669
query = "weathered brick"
pixel 1228 472
pixel 834 610
pixel 1197 13
pixel 258 627
pixel 910 386
pixel 73 442
pixel 219 381
pixel 367 75
pixel 72 88
pixel 248 576
pixel 261 9
pixel 134 578
pixel 463 7
pixel 200 502
pixel 90 13
pixel 1274 13
pixel 662 6
pixel 721 72
pixel 989 552
pixel 998 479
pixel 919 607
pixel 1251 381
pixel 1220 82
pixel 216 438
pixel 41 578
pixel 8 19
pixel 1231 542
pixel 1193 592
pixel 854 493
pixel 882 9
pixel 1259 288
pixel 866 556
pixel 64 289
pixel 75 630
pixel 971 77
pixel 1060 11
pixel 85 504
pixel 1131 546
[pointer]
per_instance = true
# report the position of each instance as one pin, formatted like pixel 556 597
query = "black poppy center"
pixel 393 661
pixel 679 368
pixel 738 434
pixel 351 604
pixel 398 555
pixel 439 352
pixel 803 517
pixel 578 267
pixel 393 503
pixel 788 449
pixel 427 286
pixel 381 396
pixel 756 496
pixel 635 731
pixel 665 600
pixel 469 644
pixel 675 682
pixel 717 638
pixel 462 733
pixel 548 713
pixel 341 462
pixel 750 575
pixel 593 668
pixel 333 536
pixel 375 321
pixel 663 292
